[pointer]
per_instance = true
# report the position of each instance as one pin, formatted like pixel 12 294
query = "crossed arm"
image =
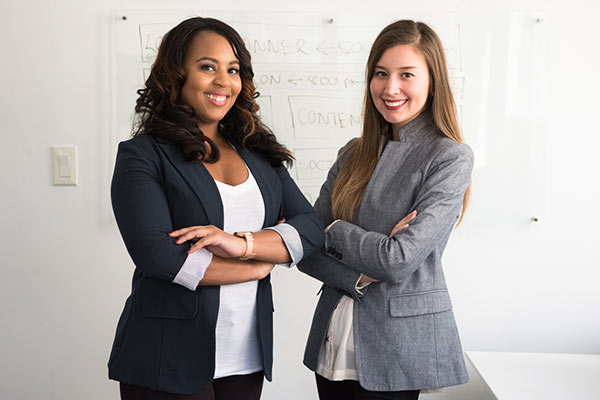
pixel 226 249
pixel 141 209
pixel 374 256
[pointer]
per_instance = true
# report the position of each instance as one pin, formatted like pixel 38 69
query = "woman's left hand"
pixel 403 223
pixel 211 238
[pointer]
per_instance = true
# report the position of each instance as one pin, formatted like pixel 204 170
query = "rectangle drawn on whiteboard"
pixel 150 37
pixel 325 117
pixel 314 163
pixel 293 44
pixel 327 80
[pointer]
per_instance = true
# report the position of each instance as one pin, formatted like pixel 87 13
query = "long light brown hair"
pixel 364 152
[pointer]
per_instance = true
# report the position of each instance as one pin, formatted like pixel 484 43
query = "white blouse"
pixel 337 358
pixel 238 350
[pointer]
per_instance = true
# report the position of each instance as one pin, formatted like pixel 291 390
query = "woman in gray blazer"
pixel 384 327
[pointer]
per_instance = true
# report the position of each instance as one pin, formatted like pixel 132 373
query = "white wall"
pixel 65 272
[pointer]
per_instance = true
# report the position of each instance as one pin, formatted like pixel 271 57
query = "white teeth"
pixel 394 103
pixel 216 98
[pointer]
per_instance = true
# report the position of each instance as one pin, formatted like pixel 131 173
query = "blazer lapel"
pixel 199 180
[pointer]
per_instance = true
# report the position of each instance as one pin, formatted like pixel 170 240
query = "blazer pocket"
pixel 162 299
pixel 413 304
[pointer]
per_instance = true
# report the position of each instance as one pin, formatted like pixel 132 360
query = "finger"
pixel 211 237
pixel 182 231
pixel 191 235
pixel 208 242
pixel 412 215
pixel 198 245
pixel 398 228
pixel 281 221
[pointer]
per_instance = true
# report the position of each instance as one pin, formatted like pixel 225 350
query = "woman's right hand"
pixel 211 238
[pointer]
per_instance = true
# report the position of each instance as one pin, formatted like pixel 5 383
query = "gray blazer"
pixel 405 336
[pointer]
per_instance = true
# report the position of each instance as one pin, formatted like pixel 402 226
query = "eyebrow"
pixel 215 60
pixel 407 67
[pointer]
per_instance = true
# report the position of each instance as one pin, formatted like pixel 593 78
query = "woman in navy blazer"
pixel 198 129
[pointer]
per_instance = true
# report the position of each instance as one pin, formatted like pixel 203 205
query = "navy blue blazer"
pixel 165 338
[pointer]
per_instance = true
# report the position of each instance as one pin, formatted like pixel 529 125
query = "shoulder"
pixel 139 146
pixel 347 147
pixel 140 142
pixel 346 151
pixel 451 159
pixel 443 149
pixel 139 150
pixel 450 147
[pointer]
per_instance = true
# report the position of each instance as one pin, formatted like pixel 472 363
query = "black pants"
pixel 236 387
pixel 351 390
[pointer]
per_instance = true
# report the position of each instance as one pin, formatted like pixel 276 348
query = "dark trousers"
pixel 351 390
pixel 236 387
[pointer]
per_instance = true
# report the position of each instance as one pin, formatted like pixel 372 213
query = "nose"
pixel 392 86
pixel 221 77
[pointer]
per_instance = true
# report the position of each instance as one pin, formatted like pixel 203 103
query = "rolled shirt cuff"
pixel 331 224
pixel 291 239
pixel 193 269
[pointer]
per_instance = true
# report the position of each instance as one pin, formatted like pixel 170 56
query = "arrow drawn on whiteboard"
pixel 321 47
pixel 293 80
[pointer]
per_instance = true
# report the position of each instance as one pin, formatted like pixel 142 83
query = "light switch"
pixel 63 166
pixel 64 160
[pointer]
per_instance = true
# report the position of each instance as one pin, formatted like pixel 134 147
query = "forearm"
pixel 230 271
pixel 270 247
pixel 331 272
pixel 377 255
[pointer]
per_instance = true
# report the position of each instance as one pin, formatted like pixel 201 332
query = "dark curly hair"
pixel 160 112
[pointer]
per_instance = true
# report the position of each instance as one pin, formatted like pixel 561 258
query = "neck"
pixel 210 131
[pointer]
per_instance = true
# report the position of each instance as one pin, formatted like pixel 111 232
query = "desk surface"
pixel 532 376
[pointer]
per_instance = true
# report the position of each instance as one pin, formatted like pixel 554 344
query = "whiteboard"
pixel 309 70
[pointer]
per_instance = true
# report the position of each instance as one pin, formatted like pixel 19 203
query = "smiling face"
pixel 212 81
pixel 400 85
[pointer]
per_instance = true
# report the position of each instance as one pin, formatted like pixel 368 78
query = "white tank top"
pixel 238 350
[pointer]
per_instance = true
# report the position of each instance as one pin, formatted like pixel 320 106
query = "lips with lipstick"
pixel 394 104
pixel 217 99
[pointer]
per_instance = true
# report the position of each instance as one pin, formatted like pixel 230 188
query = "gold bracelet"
pixel 249 238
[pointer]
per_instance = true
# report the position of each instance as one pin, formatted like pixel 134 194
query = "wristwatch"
pixel 249 238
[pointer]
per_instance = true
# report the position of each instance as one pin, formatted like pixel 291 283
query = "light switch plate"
pixel 64 161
